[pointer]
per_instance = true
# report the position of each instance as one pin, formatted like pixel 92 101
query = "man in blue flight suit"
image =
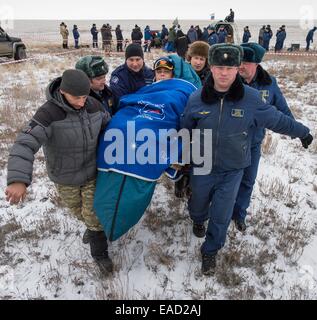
pixel 233 111
pixel 131 76
pixel 94 32
pixel 96 69
pixel 212 36
pixel 256 77
pixel 310 37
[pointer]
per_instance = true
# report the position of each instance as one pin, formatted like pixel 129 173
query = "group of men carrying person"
pixel 222 88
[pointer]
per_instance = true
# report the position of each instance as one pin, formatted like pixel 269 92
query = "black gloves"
pixel 307 141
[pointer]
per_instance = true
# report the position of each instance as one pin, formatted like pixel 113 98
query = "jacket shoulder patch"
pixel 237 113
pixel 114 80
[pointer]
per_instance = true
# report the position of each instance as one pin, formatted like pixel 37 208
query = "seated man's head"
pixel 163 68
pixel 197 55
pixel 75 88
pixel 134 57
pixel 96 69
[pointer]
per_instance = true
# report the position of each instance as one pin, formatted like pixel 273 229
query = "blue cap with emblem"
pixel 253 52
pixel 224 54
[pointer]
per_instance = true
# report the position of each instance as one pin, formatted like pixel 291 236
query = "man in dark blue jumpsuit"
pixel 256 77
pixel 310 37
pixel 233 111
pixel 132 75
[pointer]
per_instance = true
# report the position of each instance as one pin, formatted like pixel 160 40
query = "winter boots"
pixel 182 187
pixel 199 230
pixel 240 225
pixel 208 266
pixel 99 251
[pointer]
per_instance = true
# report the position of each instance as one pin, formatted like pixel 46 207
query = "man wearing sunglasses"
pixel 163 68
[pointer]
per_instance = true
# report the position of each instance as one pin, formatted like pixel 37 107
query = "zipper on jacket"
pixel 80 114
pixel 217 137
pixel 89 127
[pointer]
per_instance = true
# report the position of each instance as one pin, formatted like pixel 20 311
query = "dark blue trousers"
pixel 213 198
pixel 246 187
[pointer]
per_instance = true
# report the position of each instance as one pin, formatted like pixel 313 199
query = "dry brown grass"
pixel 269 145
pixel 292 234
pixel 55 198
pixel 276 189
pixel 292 237
pixel 296 71
pixel 154 219
pixel 157 256
pixel 297 292
pixel 245 292
pixel 7 229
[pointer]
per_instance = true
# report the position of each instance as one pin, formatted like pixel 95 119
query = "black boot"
pixel 99 251
pixel 199 230
pixel 181 186
pixel 208 266
pixel 240 225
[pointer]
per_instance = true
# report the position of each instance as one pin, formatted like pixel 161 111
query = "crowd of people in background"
pixel 174 39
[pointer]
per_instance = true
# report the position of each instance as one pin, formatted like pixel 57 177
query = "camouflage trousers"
pixel 79 200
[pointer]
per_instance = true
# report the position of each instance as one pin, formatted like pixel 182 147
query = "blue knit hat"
pixel 253 52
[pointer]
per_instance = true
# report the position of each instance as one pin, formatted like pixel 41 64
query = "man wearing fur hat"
pixel 132 75
pixel 96 69
pixel 197 56
pixel 68 127
pixel 233 111
pixel 256 77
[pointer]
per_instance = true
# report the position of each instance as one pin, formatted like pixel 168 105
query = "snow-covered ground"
pixel 41 251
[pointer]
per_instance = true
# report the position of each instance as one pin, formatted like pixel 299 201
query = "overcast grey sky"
pixel 160 9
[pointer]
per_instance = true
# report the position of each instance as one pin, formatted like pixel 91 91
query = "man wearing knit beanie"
pixel 197 56
pixel 75 87
pixel 134 50
pixel 67 126
pixel 132 75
